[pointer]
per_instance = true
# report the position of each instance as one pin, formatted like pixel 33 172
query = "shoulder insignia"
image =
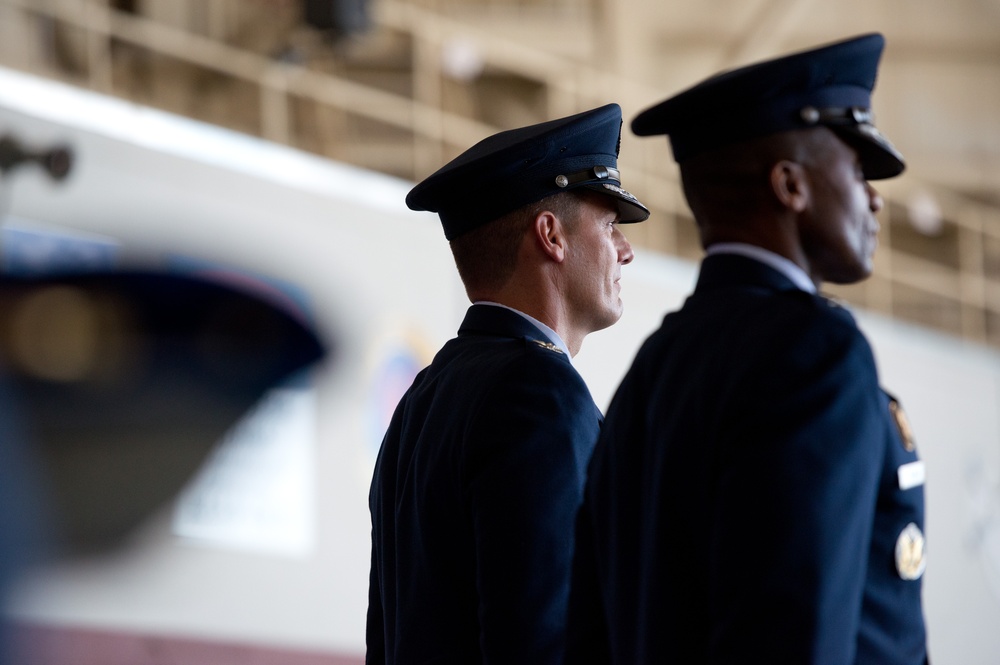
pixel 547 345
pixel 902 424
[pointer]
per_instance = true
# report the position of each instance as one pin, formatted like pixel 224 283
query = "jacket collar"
pixel 490 320
pixel 720 270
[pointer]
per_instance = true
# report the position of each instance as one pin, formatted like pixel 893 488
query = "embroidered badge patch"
pixel 910 559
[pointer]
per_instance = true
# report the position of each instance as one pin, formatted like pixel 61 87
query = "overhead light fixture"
pixel 924 214
pixel 461 59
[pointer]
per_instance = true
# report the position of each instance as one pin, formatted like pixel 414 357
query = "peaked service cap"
pixel 511 169
pixel 827 86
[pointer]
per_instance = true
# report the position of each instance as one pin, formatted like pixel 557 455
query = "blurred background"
pixel 271 142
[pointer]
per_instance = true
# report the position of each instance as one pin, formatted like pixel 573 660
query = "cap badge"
pixel 903 425
pixel 910 559
pixel 619 190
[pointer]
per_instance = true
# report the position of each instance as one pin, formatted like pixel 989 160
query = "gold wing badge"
pixel 547 345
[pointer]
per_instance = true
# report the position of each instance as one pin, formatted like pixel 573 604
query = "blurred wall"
pixel 380 284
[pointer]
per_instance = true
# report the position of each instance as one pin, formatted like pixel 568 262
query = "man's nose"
pixel 625 254
pixel 876 202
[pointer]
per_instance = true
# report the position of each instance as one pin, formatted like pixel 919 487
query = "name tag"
pixel 911 475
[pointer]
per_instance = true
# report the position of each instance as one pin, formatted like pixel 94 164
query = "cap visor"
pixel 630 209
pixel 879 158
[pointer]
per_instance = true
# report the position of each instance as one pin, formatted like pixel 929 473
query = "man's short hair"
pixel 486 257
pixel 736 177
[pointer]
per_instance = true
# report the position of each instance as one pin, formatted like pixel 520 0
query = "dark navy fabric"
pixel 25 522
pixel 743 502
pixel 830 85
pixel 473 501
pixel 511 169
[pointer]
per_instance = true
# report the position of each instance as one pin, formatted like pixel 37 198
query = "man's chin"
pixel 610 318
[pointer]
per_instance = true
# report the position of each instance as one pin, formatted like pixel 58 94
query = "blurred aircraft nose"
pixel 125 381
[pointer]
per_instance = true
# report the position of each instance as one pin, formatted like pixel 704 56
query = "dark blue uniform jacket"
pixel 744 503
pixel 473 501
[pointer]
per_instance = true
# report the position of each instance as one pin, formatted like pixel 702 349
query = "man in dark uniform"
pixel 481 471
pixel 754 495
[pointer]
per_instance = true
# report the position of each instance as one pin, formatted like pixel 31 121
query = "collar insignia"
pixel 547 345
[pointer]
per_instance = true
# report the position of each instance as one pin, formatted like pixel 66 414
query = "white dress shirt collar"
pixel 779 263
pixel 549 333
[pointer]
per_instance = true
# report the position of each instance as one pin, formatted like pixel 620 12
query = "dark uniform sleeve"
pixel 797 485
pixel 524 482
pixel 587 640
pixel 375 626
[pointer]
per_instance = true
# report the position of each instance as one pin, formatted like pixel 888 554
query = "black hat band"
pixel 851 115
pixel 608 173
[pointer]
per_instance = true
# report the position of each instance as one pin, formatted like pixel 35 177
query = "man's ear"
pixel 790 185
pixel 550 234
